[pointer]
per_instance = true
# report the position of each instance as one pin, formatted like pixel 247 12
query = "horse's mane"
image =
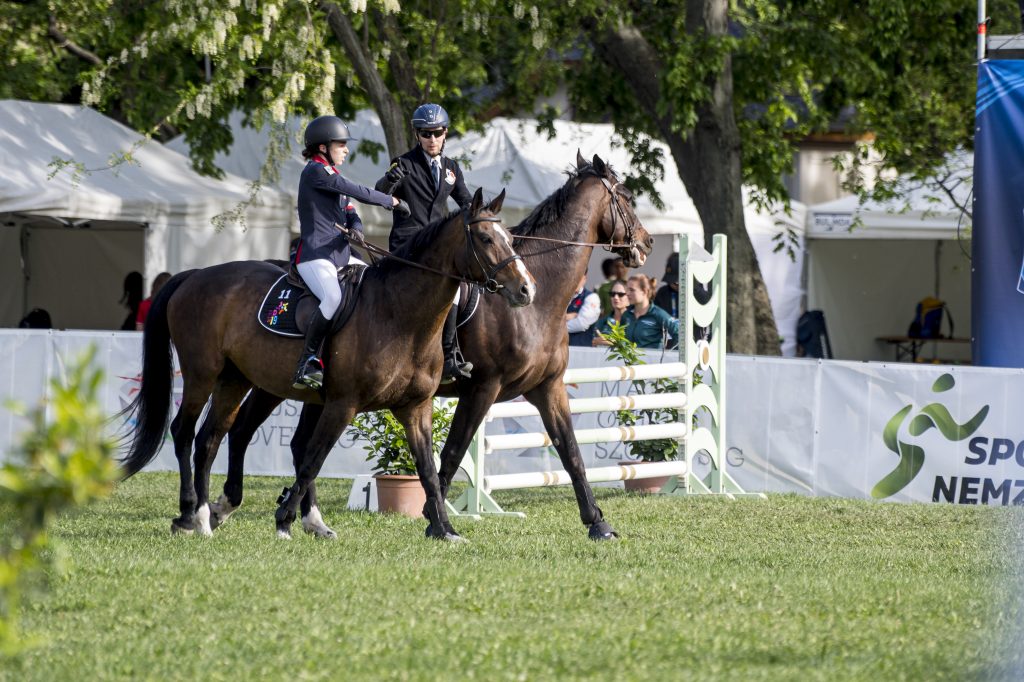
pixel 551 209
pixel 415 245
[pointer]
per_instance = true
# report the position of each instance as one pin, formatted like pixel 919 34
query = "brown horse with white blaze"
pixel 514 351
pixel 388 355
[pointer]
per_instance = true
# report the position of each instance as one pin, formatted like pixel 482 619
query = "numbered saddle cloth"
pixel 287 307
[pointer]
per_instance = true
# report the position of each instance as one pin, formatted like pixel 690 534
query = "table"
pixel 909 347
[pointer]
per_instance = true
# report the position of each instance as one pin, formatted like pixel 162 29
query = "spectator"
pixel 37 318
pixel 614 270
pixel 582 313
pixel 648 326
pixel 131 298
pixel 158 282
pixel 620 303
pixel 667 297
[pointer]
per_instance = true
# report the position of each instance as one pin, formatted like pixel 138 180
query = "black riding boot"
pixel 310 373
pixel 455 366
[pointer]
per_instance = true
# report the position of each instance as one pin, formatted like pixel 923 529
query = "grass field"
pixel 788 588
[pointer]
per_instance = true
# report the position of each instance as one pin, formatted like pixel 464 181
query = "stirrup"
pixel 310 374
pixel 453 369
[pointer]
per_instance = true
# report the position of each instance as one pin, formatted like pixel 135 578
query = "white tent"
pixel 869 264
pixel 67 242
pixel 509 154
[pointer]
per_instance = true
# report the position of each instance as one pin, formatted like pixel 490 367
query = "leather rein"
pixel 490 284
pixel 616 206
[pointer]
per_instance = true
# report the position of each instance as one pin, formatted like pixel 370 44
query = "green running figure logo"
pixel 912 456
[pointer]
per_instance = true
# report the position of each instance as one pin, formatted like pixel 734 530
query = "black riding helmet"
pixel 326 129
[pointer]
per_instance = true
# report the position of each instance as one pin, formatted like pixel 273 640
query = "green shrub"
pixel 61 464
pixel 626 351
pixel 387 445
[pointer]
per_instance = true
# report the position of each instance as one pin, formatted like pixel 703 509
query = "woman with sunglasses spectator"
pixel 647 325
pixel 619 304
pixel 425 178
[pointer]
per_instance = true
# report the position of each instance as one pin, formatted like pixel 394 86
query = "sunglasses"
pixel 427 134
pixel 617 294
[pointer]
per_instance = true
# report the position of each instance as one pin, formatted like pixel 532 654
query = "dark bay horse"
pixel 514 352
pixel 388 355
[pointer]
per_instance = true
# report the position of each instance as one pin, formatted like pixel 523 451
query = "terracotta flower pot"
pixel 400 494
pixel 643 485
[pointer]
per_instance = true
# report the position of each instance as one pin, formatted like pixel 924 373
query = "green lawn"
pixel 787 588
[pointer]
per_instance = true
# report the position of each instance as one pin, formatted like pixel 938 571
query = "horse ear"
pixel 580 161
pixel 496 203
pixel 599 165
pixel 478 201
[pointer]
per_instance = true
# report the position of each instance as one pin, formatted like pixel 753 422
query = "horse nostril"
pixel 524 291
pixel 650 242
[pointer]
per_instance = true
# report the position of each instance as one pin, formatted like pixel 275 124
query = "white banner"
pixel 900 432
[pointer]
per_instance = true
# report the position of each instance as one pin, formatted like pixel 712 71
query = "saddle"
pixel 288 305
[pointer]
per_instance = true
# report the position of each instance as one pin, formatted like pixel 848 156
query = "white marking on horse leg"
pixel 203 521
pixel 283 535
pixel 313 523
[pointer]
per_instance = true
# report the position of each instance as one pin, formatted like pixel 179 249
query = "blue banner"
pixel 997 280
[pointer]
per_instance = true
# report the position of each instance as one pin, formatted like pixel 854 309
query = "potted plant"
pixel 626 351
pixel 398 486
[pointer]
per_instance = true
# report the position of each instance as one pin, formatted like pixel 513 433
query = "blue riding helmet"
pixel 326 129
pixel 429 116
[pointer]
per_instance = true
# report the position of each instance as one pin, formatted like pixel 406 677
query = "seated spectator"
pixel 667 297
pixel 614 270
pixel 620 303
pixel 158 282
pixel 37 318
pixel 648 326
pixel 582 313
pixel 131 298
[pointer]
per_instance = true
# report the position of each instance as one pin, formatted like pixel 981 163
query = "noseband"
pixel 490 284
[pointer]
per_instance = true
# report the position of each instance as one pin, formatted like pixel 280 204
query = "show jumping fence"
pixel 701 405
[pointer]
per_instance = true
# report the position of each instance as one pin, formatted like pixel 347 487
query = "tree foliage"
pixel 732 87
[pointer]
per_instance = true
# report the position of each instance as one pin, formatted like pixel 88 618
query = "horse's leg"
pixel 553 404
pixel 196 390
pixel 256 409
pixel 312 520
pixel 418 423
pixel 227 396
pixel 469 413
pixel 336 416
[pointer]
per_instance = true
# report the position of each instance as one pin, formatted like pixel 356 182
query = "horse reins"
pixel 616 210
pixel 490 284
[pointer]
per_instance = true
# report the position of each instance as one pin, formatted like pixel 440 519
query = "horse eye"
pixel 486 239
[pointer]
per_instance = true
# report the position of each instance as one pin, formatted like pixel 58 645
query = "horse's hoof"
pixel 446 535
pixel 220 511
pixel 602 531
pixel 178 527
pixel 313 523
pixel 284 534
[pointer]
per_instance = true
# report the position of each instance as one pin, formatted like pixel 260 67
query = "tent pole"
pixel 25 275
pixel 982 30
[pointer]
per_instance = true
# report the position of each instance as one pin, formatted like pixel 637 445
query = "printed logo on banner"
pixel 932 415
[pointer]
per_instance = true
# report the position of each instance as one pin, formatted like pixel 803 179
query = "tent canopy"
pixel 67 241
pixel 869 264
pixel 926 211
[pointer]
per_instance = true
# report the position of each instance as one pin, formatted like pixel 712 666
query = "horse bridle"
pixel 615 190
pixel 490 284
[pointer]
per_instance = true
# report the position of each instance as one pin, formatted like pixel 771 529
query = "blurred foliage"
pixel 386 443
pixel 65 461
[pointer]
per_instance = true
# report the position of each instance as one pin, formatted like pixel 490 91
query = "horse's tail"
pixel 151 407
